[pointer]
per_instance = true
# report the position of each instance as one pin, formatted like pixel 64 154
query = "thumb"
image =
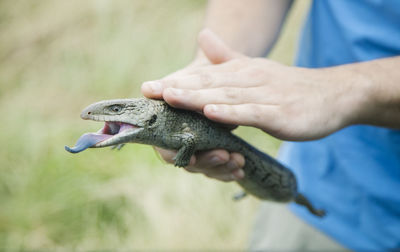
pixel 214 48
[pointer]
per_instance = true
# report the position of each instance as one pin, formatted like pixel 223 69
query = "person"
pixel 338 109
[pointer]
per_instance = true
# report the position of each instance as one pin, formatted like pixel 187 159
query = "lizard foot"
pixel 181 162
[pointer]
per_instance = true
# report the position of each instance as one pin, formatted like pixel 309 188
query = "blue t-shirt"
pixel 354 174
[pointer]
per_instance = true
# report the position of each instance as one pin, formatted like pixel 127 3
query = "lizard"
pixel 154 122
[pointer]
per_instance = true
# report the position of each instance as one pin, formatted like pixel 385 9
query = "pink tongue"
pixel 87 140
pixel 125 126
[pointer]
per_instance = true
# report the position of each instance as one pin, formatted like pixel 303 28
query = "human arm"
pixel 292 103
pixel 250 28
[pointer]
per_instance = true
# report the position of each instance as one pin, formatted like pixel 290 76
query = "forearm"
pixel 249 27
pixel 372 91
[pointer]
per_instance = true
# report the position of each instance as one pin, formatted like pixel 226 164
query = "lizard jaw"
pixel 111 134
pixel 116 133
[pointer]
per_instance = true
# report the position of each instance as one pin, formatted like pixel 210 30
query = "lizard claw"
pixel 238 196
pixel 117 146
pixel 179 162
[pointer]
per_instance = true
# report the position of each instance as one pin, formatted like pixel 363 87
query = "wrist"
pixel 381 101
pixel 345 95
pixel 355 98
pixel 360 93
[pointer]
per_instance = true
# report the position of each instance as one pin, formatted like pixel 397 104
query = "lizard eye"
pixel 116 108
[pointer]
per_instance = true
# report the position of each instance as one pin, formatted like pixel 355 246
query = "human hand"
pixel 290 103
pixel 217 164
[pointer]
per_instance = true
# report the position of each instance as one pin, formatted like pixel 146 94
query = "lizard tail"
pixel 301 200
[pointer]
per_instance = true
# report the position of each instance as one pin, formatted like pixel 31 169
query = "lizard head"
pixel 124 120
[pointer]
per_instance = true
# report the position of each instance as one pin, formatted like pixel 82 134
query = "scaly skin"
pixel 160 125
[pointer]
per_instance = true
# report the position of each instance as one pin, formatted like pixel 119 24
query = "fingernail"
pixel 155 86
pixel 215 160
pixel 175 91
pixel 232 165
pixel 239 173
pixel 212 108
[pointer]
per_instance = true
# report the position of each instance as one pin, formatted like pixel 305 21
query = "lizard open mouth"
pixel 113 128
pixel 104 137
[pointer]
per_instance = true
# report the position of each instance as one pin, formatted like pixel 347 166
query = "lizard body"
pixel 153 122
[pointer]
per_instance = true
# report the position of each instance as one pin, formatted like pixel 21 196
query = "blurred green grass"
pixel 56 57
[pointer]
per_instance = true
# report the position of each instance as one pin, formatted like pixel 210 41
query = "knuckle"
pixel 230 93
pixel 234 112
pixel 224 157
pixel 257 114
pixel 239 159
pixel 169 83
pixel 206 79
pixel 239 61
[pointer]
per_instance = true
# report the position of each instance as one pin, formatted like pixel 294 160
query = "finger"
pixel 168 155
pixel 228 177
pixel 225 176
pixel 209 160
pixel 154 89
pixel 219 163
pixel 197 99
pixel 189 68
pixel 236 162
pixel 209 79
pixel 212 158
pixel 232 66
pixel 256 115
pixel 214 48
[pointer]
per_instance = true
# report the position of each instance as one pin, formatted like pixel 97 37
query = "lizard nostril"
pixel 89 113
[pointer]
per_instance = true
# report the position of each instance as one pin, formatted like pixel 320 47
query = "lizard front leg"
pixel 185 152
